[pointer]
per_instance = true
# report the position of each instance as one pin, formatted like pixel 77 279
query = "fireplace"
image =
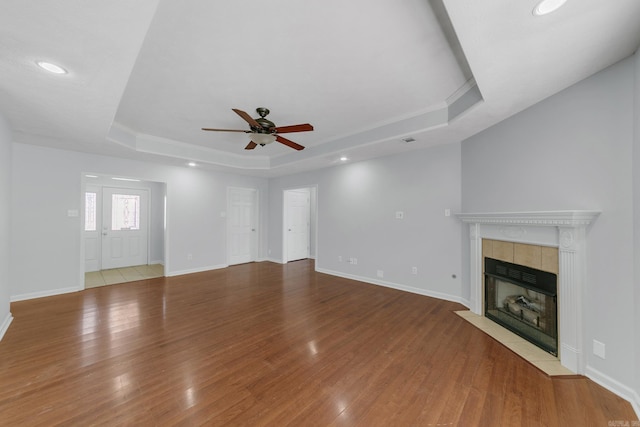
pixel 523 300
pixel 564 230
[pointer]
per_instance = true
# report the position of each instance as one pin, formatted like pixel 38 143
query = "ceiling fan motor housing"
pixel 267 126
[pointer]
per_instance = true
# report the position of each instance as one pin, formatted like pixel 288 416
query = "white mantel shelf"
pixel 564 229
pixel 536 218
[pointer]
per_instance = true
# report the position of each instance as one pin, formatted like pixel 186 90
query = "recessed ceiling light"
pixel 344 158
pixel 547 6
pixel 192 164
pixel 52 68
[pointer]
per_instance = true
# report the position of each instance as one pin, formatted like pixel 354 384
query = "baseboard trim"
pixel 614 386
pixel 195 270
pixel 42 294
pixel 636 403
pixel 5 325
pixel 411 289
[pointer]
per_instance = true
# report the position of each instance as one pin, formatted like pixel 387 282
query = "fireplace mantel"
pixel 565 230
pixel 536 218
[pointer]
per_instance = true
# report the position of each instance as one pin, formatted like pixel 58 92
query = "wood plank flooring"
pixel 265 344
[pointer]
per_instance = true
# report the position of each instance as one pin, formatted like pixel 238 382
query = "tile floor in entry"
pixel 121 275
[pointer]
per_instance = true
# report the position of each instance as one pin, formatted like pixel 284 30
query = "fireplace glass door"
pixel 524 301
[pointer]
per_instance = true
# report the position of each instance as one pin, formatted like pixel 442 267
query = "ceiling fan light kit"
pixel 263 138
pixel 263 131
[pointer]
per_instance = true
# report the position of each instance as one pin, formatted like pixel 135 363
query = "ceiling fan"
pixel 263 131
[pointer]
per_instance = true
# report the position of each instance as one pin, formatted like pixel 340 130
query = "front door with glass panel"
pixel 124 227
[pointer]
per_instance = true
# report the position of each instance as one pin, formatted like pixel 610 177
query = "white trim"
pixel 48 293
pixel 411 289
pixel 466 87
pixel 195 270
pixel 5 325
pixel 615 387
pixel 635 403
pixel 533 218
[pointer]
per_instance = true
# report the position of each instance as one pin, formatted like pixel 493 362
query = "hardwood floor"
pixel 270 345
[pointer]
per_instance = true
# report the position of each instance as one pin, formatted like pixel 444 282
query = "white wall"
pixel 5 223
pixel 156 251
pixel 356 218
pixel 47 183
pixel 573 151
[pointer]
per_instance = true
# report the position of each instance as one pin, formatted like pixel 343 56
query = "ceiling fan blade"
pixel 226 130
pixel 288 143
pixel 294 128
pixel 247 118
pixel 251 146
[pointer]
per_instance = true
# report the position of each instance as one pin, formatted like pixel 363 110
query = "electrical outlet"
pixel 447 212
pixel 380 273
pixel 189 257
pixel 355 260
pixel 598 349
pixel 414 270
pixel 339 258
pixel 399 215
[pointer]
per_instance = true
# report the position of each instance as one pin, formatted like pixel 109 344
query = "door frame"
pixel 104 180
pixel 313 220
pixel 97 189
pixel 255 240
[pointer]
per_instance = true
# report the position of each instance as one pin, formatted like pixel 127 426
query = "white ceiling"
pixel 146 76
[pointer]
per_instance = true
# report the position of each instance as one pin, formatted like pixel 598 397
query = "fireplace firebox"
pixel 523 300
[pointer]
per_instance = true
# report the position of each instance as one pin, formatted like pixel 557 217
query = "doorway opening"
pixel 123 230
pixel 299 224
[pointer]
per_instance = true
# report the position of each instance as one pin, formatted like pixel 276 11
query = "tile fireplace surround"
pixel 565 230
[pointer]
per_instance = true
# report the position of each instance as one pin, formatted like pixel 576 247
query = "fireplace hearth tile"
pixel 539 358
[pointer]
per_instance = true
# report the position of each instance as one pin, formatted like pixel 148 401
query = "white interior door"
pixel 125 227
pixel 297 224
pixel 242 232
pixel 92 227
